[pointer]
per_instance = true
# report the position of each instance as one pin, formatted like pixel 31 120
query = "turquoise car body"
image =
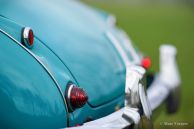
pixel 70 46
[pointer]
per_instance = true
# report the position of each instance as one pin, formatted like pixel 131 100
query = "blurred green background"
pixel 152 23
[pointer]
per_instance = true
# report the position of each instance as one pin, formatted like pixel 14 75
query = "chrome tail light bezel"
pixel 68 96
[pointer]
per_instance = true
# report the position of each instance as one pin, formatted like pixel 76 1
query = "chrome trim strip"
pixel 128 44
pixel 46 69
pixel 118 47
pixel 111 20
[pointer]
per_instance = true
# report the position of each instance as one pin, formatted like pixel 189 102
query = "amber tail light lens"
pixel 76 97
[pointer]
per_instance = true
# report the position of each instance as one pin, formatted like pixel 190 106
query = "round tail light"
pixel 76 97
pixel 146 62
pixel 28 37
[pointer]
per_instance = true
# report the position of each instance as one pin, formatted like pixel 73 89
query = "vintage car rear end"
pixel 73 46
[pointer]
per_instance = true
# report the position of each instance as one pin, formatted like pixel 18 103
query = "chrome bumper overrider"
pixel 139 104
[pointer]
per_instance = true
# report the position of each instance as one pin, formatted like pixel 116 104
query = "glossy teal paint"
pixel 29 97
pixel 70 41
pixel 44 54
pixel 76 34
pixel 87 113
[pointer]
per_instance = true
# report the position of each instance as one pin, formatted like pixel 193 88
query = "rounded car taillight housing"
pixel 27 37
pixel 76 97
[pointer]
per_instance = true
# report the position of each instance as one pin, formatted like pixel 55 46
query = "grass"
pixel 149 26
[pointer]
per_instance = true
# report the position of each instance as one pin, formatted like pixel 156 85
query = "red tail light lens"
pixel 76 97
pixel 28 37
pixel 146 62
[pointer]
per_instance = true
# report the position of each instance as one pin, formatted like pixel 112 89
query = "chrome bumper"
pixel 115 120
pixel 139 103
